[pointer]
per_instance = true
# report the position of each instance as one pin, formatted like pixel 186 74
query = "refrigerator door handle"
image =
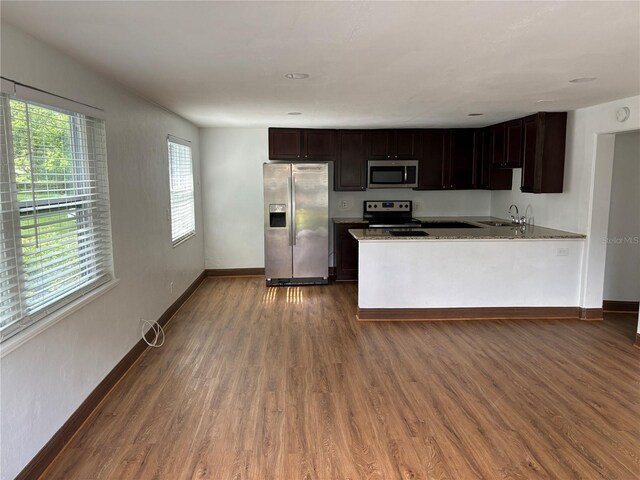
pixel 293 210
pixel 289 210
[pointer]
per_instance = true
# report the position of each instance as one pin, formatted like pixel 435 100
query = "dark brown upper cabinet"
pixel 301 144
pixel 459 170
pixel 394 144
pixel 513 147
pixel 285 143
pixel 458 158
pixel 350 170
pixel 447 159
pixel 506 141
pixel 543 152
pixel 435 151
pixel 487 176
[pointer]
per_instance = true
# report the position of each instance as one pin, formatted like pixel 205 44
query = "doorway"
pixel 621 293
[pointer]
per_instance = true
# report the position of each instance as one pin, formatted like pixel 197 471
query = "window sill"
pixel 184 239
pixel 23 337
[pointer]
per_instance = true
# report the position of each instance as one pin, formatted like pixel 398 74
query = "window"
pixel 55 235
pixel 183 219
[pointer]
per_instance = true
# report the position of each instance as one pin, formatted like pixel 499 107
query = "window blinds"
pixel 55 237
pixel 181 189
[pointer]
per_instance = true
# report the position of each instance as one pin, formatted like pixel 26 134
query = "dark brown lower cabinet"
pixel 345 249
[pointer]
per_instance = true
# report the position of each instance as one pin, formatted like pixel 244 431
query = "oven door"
pixel 392 174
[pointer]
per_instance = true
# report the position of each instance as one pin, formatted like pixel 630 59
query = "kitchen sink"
pixel 452 224
pixel 497 224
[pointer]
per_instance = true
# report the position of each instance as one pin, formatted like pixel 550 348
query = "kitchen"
pixel 248 149
pixel 415 284
pixel 288 377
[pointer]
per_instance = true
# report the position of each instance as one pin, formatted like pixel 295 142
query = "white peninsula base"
pixel 433 278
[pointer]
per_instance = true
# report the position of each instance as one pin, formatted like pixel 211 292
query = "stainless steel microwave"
pixel 392 174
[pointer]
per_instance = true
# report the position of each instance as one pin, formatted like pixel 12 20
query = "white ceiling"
pixel 372 64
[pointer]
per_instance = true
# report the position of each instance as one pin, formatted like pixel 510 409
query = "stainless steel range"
pixel 390 214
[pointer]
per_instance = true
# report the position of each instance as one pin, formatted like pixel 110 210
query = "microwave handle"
pixel 405 174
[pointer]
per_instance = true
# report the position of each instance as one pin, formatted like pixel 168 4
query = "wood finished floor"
pixel 284 383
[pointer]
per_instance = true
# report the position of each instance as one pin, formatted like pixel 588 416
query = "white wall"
pixel 622 269
pixel 45 379
pixel 232 161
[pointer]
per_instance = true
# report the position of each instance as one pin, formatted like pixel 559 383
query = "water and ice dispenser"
pixel 277 215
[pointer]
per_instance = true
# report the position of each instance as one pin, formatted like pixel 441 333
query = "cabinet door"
pixel 407 145
pixel 319 144
pixel 351 167
pixel 544 171
pixel 498 145
pixel 435 146
pixel 461 171
pixel 513 148
pixel 529 153
pixel 380 147
pixel 285 143
pixel 346 251
pixel 483 158
pixel 488 176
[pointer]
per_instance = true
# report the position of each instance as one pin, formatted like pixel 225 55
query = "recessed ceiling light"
pixel 297 76
pixel 474 114
pixel 582 80
pixel 294 113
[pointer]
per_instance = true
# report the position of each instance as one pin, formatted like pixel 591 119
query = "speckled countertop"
pixel 348 220
pixel 487 232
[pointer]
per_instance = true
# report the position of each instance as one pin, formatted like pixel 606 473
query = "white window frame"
pixel 68 300
pixel 182 236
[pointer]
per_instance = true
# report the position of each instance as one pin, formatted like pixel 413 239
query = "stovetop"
pixel 390 222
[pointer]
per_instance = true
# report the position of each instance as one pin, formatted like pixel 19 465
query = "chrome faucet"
pixel 514 219
pixel 518 220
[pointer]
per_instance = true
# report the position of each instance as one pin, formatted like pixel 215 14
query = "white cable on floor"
pixel 157 329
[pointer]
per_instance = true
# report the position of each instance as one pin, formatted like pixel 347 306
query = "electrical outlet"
pixel 416 205
pixel 563 252
pixel 344 204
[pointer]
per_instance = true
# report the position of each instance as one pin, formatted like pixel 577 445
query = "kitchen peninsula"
pixel 483 271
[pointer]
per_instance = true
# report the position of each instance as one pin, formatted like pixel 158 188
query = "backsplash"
pixel 425 203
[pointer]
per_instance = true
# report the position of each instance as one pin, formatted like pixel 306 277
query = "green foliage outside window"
pixel 44 168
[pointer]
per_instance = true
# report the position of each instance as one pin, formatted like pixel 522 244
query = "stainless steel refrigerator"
pixel 296 223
